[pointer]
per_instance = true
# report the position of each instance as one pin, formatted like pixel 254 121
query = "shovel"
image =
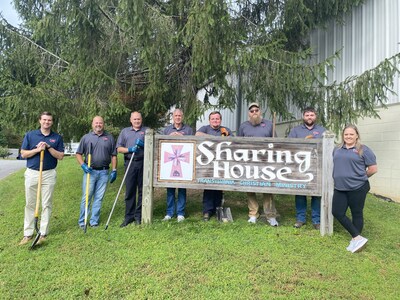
pixel 87 188
pixel 38 193
pixel 224 214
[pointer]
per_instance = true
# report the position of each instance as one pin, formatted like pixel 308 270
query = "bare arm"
pixel 56 154
pixel 114 162
pixel 122 150
pixel 199 133
pixel 29 153
pixel 371 170
pixel 79 158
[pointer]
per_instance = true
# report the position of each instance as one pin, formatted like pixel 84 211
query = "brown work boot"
pixel 41 240
pixel 298 224
pixel 25 240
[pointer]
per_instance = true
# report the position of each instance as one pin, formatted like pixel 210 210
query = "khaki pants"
pixel 31 185
pixel 268 205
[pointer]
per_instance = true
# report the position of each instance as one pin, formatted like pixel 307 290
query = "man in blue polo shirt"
pixel 127 143
pixel 308 130
pixel 213 198
pixel 257 126
pixel 52 144
pixel 102 148
pixel 177 128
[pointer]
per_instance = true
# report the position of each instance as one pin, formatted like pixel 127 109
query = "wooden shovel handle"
pixel 39 187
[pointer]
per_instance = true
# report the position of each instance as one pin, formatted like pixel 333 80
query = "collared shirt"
pixel 302 131
pixel 102 148
pixel 349 168
pixel 184 130
pixel 127 138
pixel 264 129
pixel 207 129
pixel 34 137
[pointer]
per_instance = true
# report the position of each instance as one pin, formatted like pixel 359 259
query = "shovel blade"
pixel 35 240
pixel 224 214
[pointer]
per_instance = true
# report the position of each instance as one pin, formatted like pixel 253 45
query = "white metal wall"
pixel 368 35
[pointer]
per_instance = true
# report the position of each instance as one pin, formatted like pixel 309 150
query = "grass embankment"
pixel 193 259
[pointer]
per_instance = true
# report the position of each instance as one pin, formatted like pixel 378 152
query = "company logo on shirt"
pixel 105 138
pixel 52 140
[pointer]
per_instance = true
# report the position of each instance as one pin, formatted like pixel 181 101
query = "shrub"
pixel 4 152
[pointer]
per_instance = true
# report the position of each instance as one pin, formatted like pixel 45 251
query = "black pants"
pixel 134 183
pixel 355 200
pixel 211 200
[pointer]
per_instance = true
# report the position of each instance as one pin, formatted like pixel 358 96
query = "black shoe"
pixel 125 223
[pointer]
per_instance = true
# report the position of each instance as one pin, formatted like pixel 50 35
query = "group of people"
pixel 354 163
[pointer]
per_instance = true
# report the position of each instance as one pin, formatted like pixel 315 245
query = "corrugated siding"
pixel 368 35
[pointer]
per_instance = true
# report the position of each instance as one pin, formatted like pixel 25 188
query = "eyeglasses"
pixel 254 110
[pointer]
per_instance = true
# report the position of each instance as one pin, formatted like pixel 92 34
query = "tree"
pixel 109 57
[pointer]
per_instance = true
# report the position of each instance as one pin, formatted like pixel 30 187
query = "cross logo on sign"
pixel 176 157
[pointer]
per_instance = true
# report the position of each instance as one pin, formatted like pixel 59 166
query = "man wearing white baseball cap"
pixel 257 126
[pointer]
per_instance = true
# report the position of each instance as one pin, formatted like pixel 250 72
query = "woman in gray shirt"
pixel 353 164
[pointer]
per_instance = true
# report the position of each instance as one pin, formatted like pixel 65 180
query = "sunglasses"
pixel 254 110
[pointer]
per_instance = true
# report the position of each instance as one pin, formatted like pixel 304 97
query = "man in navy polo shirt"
pixel 177 128
pixel 52 144
pixel 101 144
pixel 127 143
pixel 308 130
pixel 213 198
pixel 257 126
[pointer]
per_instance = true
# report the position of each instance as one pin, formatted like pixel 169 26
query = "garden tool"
pixel 224 213
pixel 38 194
pixel 87 188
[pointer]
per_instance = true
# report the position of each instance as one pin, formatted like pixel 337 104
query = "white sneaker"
pixel 348 248
pixel 252 220
pixel 180 218
pixel 358 245
pixel 272 222
pixel 166 218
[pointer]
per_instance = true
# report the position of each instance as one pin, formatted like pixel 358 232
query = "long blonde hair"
pixel 358 145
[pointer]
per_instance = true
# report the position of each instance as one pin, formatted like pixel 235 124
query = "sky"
pixel 8 12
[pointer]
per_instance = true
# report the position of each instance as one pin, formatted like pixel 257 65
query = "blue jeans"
pixel 180 206
pixel 97 188
pixel 301 208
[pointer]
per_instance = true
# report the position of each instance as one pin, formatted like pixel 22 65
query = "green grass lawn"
pixel 192 259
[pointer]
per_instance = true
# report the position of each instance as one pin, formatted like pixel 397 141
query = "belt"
pixel 101 168
pixel 34 169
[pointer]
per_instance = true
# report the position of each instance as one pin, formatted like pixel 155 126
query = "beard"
pixel 309 123
pixel 255 120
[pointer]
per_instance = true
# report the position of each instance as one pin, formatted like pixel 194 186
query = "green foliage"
pixel 192 259
pixel 4 153
pixel 106 57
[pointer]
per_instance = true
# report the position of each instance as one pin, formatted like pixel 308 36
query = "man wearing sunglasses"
pixel 257 126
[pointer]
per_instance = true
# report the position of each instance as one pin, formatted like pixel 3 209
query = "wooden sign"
pixel 266 165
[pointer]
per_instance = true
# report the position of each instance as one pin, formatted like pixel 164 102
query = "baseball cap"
pixel 254 104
